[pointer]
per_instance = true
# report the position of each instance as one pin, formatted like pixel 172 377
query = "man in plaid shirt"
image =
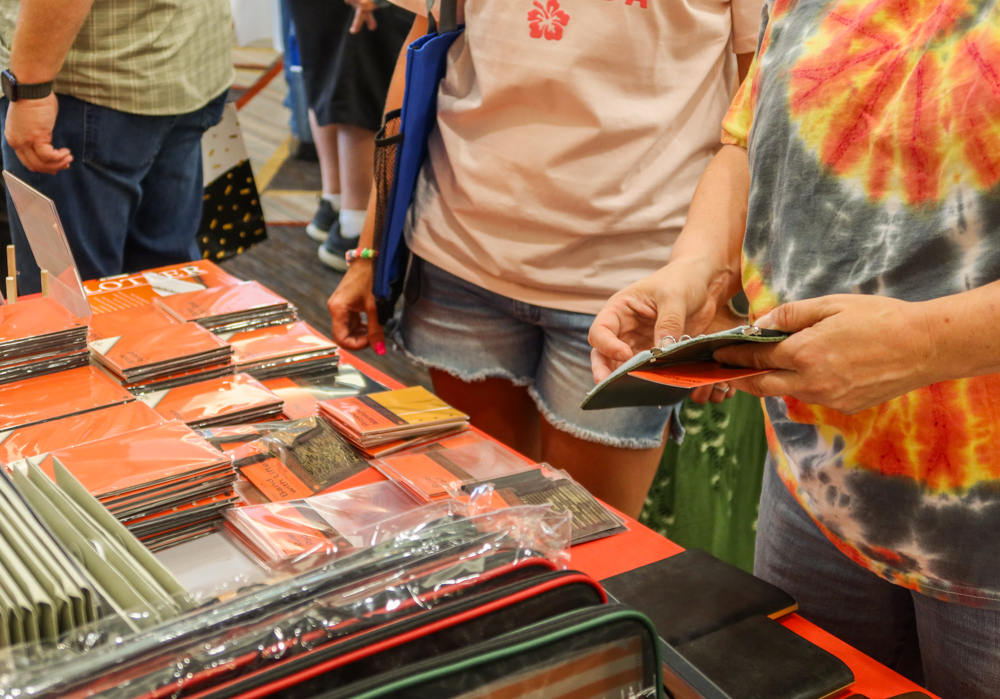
pixel 105 105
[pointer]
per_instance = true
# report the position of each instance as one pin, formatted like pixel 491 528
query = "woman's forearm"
pixel 717 217
pixel 964 332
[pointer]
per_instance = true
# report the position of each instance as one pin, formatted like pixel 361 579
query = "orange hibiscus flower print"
pixel 547 21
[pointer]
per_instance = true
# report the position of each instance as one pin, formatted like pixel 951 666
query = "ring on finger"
pixel 720 388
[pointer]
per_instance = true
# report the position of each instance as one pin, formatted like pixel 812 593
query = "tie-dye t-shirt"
pixel 873 133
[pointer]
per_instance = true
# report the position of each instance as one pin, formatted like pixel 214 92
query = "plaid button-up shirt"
pixel 157 57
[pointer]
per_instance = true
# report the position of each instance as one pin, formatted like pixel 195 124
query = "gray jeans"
pixel 951 649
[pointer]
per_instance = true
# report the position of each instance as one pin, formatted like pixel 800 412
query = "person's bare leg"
pixel 499 408
pixel 325 138
pixel 357 164
pixel 619 477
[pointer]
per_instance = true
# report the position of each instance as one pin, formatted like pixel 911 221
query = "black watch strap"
pixel 14 90
pixel 33 92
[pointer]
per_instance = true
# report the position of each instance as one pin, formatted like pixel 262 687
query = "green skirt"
pixel 707 490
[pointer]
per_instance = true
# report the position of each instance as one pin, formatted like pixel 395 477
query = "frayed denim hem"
pixel 589 435
pixel 468 377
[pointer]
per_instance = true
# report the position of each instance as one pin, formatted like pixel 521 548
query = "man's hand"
pixel 364 13
pixel 352 298
pixel 849 352
pixel 28 130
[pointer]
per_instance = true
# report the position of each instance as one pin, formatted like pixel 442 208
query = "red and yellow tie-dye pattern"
pixel 873 129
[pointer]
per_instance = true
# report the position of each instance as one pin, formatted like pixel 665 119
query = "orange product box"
pixel 175 342
pixel 44 398
pixel 219 301
pixel 76 429
pixel 137 459
pixel 276 342
pixel 128 290
pixel 130 321
pixel 35 316
pixel 194 402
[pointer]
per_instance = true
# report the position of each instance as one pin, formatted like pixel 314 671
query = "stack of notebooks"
pixel 164 482
pixel 65 432
pixel 228 400
pixel 378 419
pixel 134 320
pixel 223 309
pixel 157 359
pixel 50 397
pixel 139 289
pixel 282 350
pixel 39 336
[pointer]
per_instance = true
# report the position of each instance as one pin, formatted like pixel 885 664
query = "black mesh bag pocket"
pixel 388 142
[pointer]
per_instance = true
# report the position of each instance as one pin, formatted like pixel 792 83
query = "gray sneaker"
pixel 326 218
pixel 331 252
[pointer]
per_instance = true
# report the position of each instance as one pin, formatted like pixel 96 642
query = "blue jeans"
pixel 951 649
pixel 132 199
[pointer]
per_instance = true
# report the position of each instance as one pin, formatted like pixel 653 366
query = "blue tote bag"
pixel 401 149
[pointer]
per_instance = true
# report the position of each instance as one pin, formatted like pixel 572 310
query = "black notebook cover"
pixel 693 594
pixel 758 658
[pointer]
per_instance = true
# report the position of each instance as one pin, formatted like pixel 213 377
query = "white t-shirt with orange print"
pixel 571 135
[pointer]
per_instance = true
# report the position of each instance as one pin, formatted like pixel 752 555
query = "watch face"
pixel 8 83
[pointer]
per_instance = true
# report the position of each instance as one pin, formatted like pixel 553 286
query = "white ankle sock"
pixel 334 200
pixel 351 223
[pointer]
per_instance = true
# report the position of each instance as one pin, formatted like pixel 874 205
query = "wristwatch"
pixel 14 91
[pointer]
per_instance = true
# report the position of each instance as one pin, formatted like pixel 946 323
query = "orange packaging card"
pixel 127 290
pixel 220 300
pixel 427 475
pixel 276 342
pixel 207 399
pixel 130 321
pixel 276 480
pixel 138 458
pixel 299 402
pixel 31 317
pixel 696 374
pixel 174 342
pixel 360 415
pixel 44 398
pixel 76 429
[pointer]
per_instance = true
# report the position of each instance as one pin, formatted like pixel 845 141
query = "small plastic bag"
pixel 544 485
pixel 300 534
pixel 432 472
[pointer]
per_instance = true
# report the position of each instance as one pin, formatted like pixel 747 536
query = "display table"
pixel 640 545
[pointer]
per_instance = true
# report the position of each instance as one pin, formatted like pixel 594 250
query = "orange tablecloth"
pixel 640 545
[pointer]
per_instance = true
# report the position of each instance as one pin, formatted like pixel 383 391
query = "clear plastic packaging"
pixel 49 245
pixel 290 460
pixel 436 471
pixel 405 570
pixel 296 534
pixel 542 486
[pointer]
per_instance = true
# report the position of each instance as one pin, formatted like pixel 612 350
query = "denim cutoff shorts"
pixel 474 334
